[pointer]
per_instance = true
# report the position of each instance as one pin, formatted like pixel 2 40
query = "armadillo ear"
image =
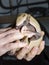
pixel 21 19
pixel 35 23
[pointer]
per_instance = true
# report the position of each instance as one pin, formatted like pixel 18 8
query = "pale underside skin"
pixel 28 31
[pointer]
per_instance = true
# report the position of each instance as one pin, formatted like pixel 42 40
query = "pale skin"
pixel 6 38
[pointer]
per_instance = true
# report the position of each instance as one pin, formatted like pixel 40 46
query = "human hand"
pixel 7 36
pixel 32 53
pixel 28 54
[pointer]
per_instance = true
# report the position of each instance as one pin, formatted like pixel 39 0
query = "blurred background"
pixel 8 7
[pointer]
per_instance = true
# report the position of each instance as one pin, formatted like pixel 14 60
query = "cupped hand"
pixel 7 36
pixel 23 54
pixel 28 54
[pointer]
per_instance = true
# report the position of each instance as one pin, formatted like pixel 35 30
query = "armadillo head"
pixel 30 28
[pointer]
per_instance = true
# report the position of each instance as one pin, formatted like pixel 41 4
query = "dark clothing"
pixel 42 59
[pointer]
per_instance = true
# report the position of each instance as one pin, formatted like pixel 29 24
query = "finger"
pixel 10 38
pixel 11 46
pixel 7 33
pixel 13 51
pixel 22 52
pixel 42 32
pixel 41 47
pixel 5 29
pixel 31 54
pixel 18 44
